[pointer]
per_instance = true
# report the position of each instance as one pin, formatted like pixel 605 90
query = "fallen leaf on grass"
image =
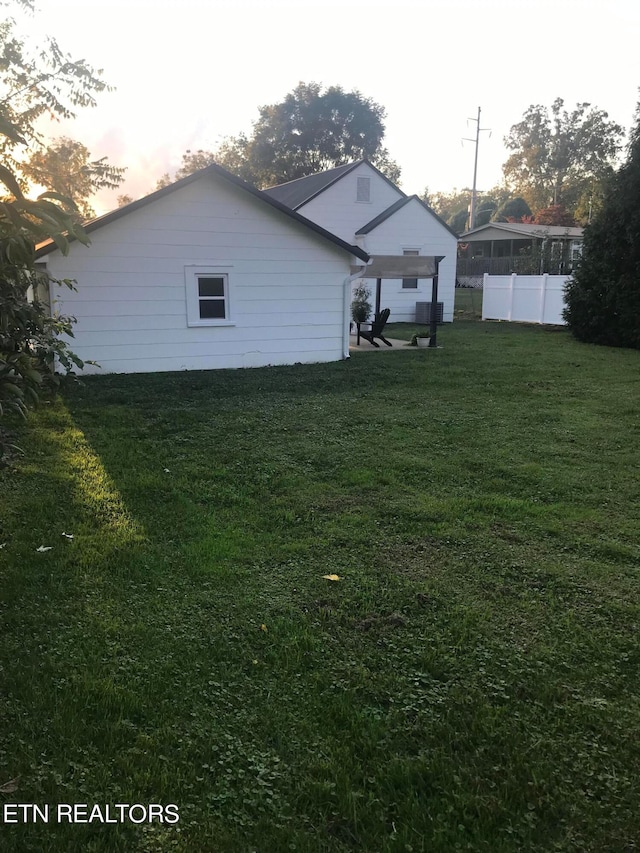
pixel 332 577
pixel 264 628
pixel 68 535
pixel 44 548
pixel 10 786
pixel 3 545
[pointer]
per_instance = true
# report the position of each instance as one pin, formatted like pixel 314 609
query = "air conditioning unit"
pixel 423 312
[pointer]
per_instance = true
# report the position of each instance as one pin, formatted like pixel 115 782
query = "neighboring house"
pixel 500 248
pixel 359 204
pixel 208 272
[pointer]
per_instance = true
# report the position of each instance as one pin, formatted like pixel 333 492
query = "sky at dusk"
pixel 188 73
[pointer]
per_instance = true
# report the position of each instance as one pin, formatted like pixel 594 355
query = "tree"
pixel 164 181
pixel 487 207
pixel 555 214
pixel 47 84
pixel 193 161
pixel 560 155
pixel 234 154
pixel 459 221
pixel 603 295
pixel 514 210
pixel 448 204
pixel 310 131
pixel 52 84
pixel 589 204
pixel 65 167
pixel 451 207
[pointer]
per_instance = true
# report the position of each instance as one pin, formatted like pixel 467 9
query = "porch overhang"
pixel 399 266
pixel 403 266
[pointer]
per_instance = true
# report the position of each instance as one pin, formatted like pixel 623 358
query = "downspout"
pixel 45 289
pixel 347 309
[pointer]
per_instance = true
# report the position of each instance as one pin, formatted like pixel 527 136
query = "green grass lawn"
pixel 470 683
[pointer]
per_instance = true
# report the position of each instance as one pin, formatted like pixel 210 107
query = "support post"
pixel 512 284
pixel 485 279
pixel 543 295
pixel 378 296
pixel 433 328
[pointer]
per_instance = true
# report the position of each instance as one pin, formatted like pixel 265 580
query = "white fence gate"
pixel 524 298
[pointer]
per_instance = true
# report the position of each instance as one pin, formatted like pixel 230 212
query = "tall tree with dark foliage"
pixel 603 295
pixel 310 131
pixel 561 156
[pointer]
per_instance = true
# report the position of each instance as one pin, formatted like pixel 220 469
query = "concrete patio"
pixel 365 346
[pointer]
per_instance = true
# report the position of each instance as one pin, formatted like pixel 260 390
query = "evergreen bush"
pixel 603 295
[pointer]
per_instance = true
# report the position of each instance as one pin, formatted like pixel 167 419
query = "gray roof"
pixel 526 230
pixel 49 245
pixel 397 205
pixel 296 193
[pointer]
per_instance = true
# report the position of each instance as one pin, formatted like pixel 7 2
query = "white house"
pixel 208 272
pixel 360 205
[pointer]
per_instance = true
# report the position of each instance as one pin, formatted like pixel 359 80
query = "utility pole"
pixel 472 207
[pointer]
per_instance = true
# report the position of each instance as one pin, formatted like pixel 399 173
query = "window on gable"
pixel 410 283
pixel 207 296
pixel 363 190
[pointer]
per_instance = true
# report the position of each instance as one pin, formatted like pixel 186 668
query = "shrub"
pixel 603 295
pixel 360 305
pixel 30 344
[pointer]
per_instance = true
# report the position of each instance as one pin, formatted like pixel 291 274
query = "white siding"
pixel 413 227
pixel 286 285
pixel 337 210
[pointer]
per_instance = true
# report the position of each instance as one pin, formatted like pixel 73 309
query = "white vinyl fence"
pixel 524 298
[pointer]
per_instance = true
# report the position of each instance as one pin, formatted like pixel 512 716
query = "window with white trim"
pixel 363 190
pixel 410 283
pixel 207 296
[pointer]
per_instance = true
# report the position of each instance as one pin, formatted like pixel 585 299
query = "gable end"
pixel 217 171
pixel 394 208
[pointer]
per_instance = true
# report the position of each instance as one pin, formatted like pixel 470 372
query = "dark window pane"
pixel 212 309
pixel 209 286
pixel 410 283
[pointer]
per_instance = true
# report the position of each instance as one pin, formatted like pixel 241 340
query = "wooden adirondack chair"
pixel 378 324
